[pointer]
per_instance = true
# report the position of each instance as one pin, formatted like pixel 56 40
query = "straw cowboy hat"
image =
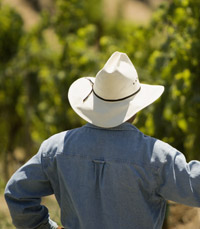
pixel 114 95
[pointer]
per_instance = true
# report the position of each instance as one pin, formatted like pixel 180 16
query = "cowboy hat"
pixel 114 95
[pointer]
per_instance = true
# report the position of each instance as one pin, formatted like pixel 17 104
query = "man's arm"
pixel 23 195
pixel 178 180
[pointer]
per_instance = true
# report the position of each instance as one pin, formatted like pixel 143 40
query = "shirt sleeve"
pixel 23 195
pixel 178 180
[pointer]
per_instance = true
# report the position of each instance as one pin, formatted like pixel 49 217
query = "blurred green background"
pixel 65 40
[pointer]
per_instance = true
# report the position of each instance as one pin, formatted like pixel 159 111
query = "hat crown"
pixel 117 79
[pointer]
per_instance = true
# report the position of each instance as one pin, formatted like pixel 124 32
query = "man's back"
pixel 104 178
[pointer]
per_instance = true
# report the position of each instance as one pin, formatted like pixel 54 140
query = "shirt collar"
pixel 123 126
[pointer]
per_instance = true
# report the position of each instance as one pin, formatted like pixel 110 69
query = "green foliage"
pixel 10 33
pixel 75 14
pixel 38 66
pixel 176 62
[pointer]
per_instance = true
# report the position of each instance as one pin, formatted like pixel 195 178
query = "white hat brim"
pixel 109 114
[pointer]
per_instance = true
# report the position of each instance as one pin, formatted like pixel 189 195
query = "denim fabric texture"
pixel 116 178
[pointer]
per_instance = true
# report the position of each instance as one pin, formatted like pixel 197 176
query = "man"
pixel 106 174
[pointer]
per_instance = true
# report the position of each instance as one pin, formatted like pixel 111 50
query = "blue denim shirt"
pixel 113 178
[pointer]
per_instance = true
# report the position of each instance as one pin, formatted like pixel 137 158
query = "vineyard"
pixel 43 50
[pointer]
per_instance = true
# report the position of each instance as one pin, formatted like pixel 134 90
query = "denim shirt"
pixel 116 178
